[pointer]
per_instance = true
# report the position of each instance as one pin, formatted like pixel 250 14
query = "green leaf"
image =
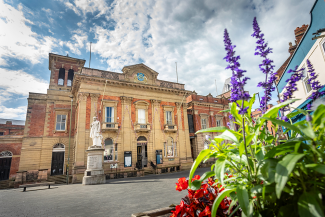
pixel 196 185
pixel 283 170
pixel 268 170
pixel 218 200
pixel 234 112
pixel 317 167
pixel 226 111
pixel 318 115
pixel 287 211
pixel 281 149
pixel 213 130
pixel 196 163
pixel 258 189
pixel 248 140
pixel 243 200
pixel 219 169
pixel 309 206
pixel 283 123
pixel 227 135
pixel 250 105
pixel 307 130
pixel 274 110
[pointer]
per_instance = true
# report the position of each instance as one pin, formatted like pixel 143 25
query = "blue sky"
pixel 125 32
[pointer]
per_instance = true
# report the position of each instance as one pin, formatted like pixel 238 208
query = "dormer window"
pixel 61 76
pixel 70 77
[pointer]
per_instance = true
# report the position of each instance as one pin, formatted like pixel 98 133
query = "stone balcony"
pixel 142 127
pixel 106 126
pixel 170 128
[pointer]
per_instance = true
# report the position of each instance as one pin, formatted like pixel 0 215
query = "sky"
pixel 157 33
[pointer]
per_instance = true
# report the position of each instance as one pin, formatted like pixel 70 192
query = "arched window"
pixel 70 77
pixel 170 148
pixel 61 76
pixel 110 153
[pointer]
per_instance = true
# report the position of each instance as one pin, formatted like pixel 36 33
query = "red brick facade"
pixel 9 129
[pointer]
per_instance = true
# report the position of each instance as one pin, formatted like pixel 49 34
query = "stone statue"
pixel 95 133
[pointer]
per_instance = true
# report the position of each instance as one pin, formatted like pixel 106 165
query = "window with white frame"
pixel 141 116
pixel 305 80
pixel 218 123
pixel 169 118
pixel 60 122
pixel 203 123
pixel 109 115
pixel 170 148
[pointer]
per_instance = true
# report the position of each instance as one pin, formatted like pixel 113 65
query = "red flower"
pixel 182 184
pixel 205 212
pixel 197 177
pixel 199 193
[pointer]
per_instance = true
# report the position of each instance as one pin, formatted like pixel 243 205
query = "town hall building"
pixel 143 121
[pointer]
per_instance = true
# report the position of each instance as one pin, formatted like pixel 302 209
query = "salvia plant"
pixel 270 176
pixel 315 85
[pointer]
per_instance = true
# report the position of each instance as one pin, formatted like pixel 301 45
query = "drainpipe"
pixel 69 140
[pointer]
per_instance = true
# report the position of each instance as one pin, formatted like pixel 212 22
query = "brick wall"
pixel 9 129
pixel 37 119
pixel 88 110
pixel 15 148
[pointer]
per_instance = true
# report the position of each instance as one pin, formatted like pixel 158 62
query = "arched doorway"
pixel 57 159
pixel 142 155
pixel 5 163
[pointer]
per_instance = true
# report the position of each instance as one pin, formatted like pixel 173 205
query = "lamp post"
pixel 258 97
pixel 69 140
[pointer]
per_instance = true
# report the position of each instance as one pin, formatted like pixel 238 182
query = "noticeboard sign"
pixel 159 158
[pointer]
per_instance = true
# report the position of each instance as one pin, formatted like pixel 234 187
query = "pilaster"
pixel 81 145
pixel 126 129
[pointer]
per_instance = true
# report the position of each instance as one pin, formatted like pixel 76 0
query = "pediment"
pixel 140 73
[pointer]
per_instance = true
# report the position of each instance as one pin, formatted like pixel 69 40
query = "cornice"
pixel 79 78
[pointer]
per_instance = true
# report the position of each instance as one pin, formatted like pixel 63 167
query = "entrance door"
pixel 5 164
pixel 139 156
pixel 144 155
pixel 57 163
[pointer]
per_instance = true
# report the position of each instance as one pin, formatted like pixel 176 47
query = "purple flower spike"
pixel 315 85
pixel 291 86
pixel 266 67
pixel 231 117
pixel 228 124
pixel 238 80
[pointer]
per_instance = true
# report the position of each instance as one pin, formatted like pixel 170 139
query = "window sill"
pixel 110 162
pixel 60 131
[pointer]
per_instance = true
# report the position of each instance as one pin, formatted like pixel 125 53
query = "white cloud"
pixel 191 33
pixel 91 6
pixel 18 113
pixel 78 42
pixel 72 7
pixel 20 82
pixel 17 40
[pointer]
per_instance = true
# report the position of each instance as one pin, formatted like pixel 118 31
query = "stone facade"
pixel 91 92
pixel 205 112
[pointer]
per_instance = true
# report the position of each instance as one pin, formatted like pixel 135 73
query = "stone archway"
pixel 57 166
pixel 5 164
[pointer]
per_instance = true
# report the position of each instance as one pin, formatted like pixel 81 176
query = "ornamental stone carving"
pixel 6 154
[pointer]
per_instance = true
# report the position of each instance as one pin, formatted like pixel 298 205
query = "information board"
pixel 128 159
pixel 159 158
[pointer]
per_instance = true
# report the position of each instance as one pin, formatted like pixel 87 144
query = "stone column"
pixel 126 130
pixel 156 127
pixel 81 135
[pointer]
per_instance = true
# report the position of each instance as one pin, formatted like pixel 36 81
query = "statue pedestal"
pixel 94 173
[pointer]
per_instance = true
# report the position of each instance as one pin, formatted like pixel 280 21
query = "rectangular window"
pixel 204 123
pixel 109 115
pixel 305 81
pixel 169 117
pixel 190 123
pixel 1 133
pixel 60 122
pixel 141 116
pixel 218 123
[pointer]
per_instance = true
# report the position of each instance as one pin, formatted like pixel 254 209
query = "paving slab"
pixel 118 197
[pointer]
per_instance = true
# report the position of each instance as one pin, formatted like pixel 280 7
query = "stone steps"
pixel 59 179
pixel 4 184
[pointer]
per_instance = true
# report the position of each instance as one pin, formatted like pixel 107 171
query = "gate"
pixel 57 163
pixel 5 164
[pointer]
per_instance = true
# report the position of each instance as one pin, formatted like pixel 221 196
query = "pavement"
pixel 118 197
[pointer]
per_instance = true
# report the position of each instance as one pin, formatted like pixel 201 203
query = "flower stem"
pixel 249 170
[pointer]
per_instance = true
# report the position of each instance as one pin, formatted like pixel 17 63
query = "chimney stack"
pixel 299 32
